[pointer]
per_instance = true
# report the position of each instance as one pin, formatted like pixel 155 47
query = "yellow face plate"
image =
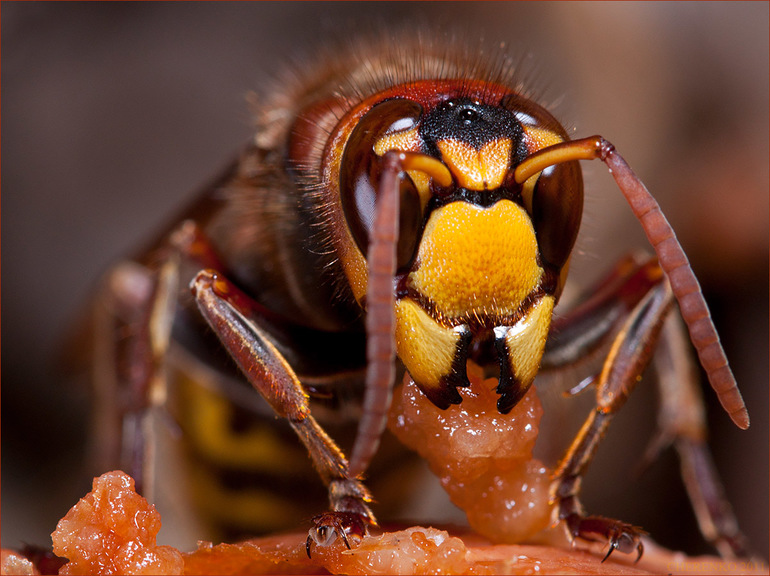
pixel 475 261
pixel 539 138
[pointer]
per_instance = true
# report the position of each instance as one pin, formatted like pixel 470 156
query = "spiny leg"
pixel 631 352
pixel 231 314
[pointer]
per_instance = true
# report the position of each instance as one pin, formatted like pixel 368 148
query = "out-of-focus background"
pixel 115 112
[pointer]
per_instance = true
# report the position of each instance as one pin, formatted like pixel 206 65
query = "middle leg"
pixel 631 352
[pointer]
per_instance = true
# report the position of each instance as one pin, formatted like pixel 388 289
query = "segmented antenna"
pixel 381 299
pixel 670 254
pixel 380 317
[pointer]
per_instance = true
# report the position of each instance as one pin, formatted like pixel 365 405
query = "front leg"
pixel 631 352
pixel 235 319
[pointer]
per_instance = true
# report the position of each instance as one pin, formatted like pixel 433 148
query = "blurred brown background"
pixel 114 112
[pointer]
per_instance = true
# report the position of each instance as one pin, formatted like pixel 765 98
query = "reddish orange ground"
pixel 112 530
pixel 483 459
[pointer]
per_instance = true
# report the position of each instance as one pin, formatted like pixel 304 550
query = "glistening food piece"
pixel 112 531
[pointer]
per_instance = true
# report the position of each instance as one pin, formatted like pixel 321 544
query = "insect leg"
pixel 132 328
pixel 630 353
pixel 131 334
pixel 682 423
pixel 586 328
pixel 227 310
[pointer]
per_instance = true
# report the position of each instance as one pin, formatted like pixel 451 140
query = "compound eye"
pixel 557 206
pixel 360 176
pixel 409 224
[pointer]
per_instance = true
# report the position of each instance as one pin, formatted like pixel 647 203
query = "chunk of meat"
pixel 483 458
pixel 113 530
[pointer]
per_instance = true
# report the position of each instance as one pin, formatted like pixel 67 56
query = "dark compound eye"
pixel 557 207
pixel 360 177
pixel 557 200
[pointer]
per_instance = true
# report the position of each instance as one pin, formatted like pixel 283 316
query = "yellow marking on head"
pixel 526 341
pixel 406 141
pixel 539 138
pixel 477 261
pixel 426 348
pixel 354 268
pixel 409 141
pixel 422 183
pixel 483 169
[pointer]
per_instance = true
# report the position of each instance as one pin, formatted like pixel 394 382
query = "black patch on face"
pixel 469 121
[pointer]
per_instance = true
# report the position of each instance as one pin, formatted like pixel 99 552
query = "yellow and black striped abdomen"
pixel 245 470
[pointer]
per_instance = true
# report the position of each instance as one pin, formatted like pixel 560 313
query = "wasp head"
pixel 481 259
